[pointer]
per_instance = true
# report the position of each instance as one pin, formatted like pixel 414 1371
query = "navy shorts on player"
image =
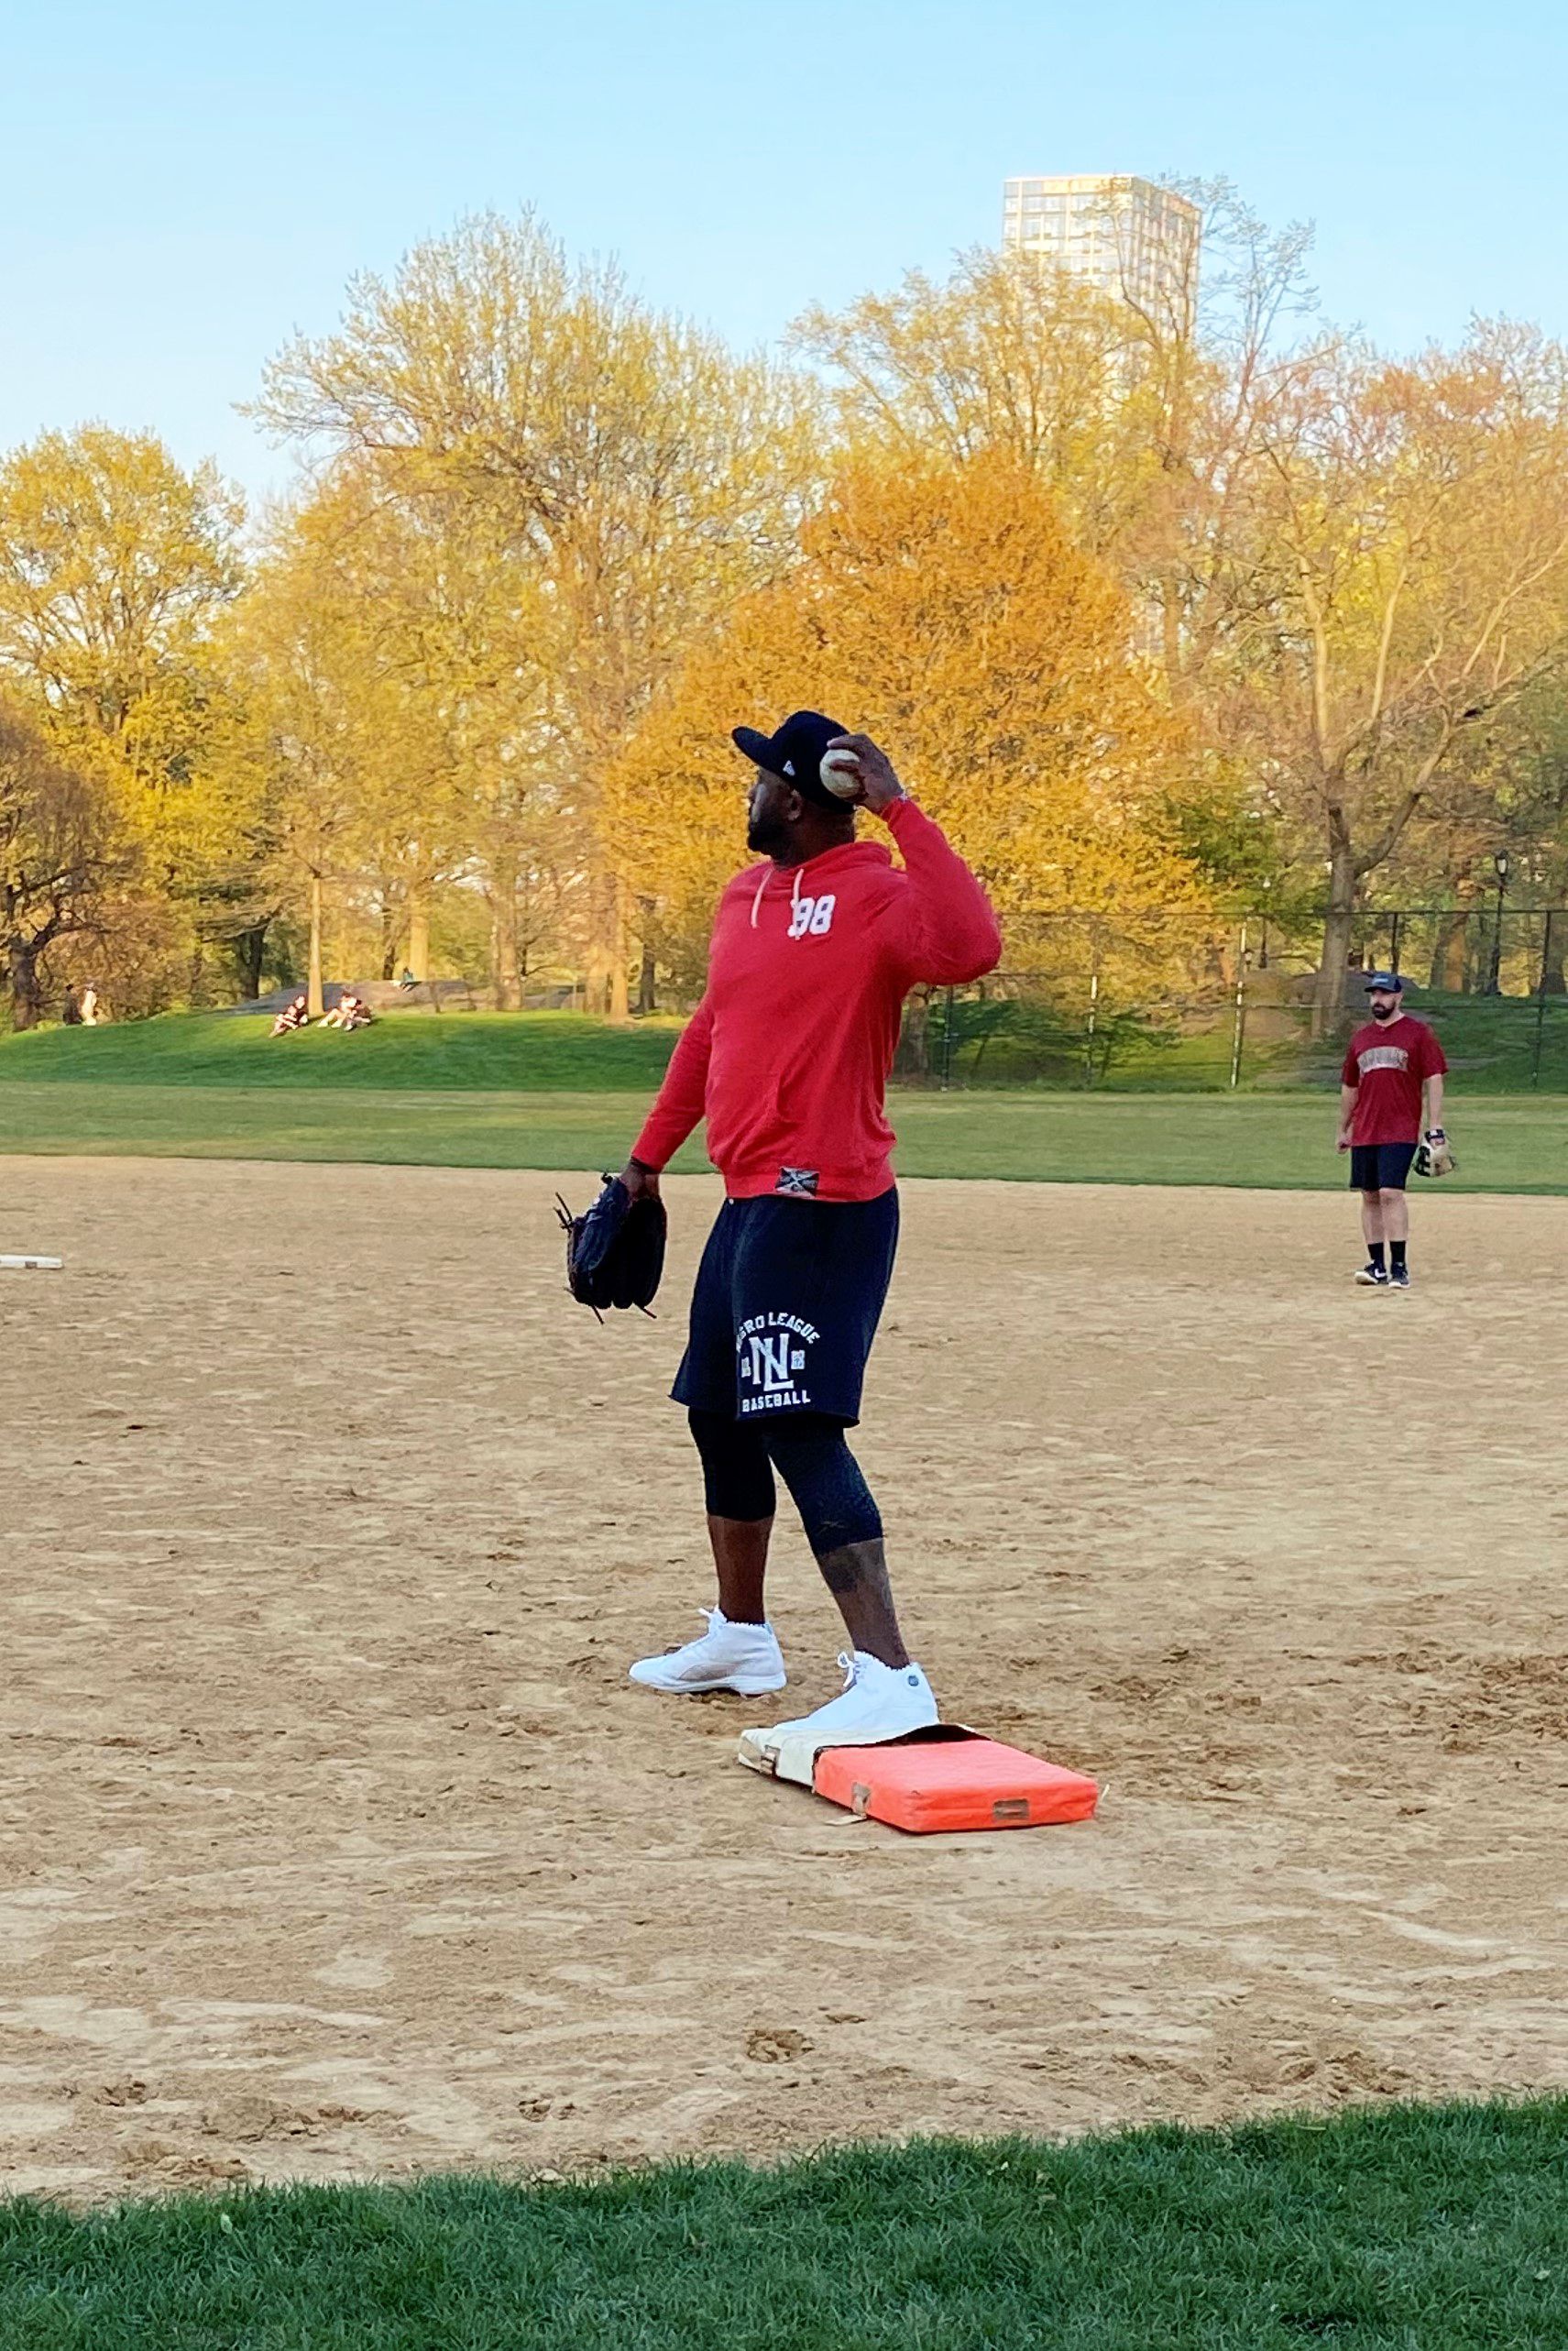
pixel 1380 1166
pixel 787 1304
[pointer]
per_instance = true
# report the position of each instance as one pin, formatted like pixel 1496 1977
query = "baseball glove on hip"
pixel 1433 1157
pixel 615 1254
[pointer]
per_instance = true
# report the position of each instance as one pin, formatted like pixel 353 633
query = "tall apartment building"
pixel 1123 234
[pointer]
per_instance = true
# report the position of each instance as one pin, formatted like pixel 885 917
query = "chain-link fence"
pixel 1171 1000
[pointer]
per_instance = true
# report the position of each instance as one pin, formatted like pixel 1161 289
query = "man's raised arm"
pixel 947 932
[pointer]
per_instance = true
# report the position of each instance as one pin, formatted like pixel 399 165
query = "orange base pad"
pixel 937 1781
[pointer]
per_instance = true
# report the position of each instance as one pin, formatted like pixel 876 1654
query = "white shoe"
pixel 877 1702
pixel 741 1657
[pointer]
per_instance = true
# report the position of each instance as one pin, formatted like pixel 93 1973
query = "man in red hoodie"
pixel 787 1057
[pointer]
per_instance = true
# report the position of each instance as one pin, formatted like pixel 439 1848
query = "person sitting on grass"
pixel 349 1012
pixel 293 1016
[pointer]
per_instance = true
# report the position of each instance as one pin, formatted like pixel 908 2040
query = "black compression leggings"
pixel 809 1453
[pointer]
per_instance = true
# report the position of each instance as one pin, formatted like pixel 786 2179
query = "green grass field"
pixel 1391 2229
pixel 554 1090
pixel 1510 1144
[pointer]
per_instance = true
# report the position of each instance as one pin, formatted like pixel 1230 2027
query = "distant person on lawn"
pixel 293 1016
pixel 90 1005
pixel 1390 1064
pixel 349 1012
pixel 71 1010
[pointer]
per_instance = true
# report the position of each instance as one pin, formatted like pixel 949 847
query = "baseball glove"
pixel 1433 1157
pixel 615 1254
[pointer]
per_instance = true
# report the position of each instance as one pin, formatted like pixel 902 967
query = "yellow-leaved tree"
pixel 116 568
pixel 944 609
pixel 637 474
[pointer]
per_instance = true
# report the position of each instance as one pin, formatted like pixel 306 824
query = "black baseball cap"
pixel 1388 981
pixel 795 752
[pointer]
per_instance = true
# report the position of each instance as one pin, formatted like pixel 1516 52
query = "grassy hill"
pixel 469 1052
pixel 1490 1041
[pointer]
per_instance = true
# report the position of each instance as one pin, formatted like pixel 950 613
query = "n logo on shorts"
pixel 770 1355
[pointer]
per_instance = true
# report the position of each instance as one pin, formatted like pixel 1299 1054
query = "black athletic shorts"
pixel 787 1304
pixel 1380 1166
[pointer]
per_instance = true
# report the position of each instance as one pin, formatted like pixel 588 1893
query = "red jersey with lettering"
pixel 1386 1061
pixel 788 1054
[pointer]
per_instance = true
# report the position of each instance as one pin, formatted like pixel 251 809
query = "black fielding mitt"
pixel 1434 1155
pixel 615 1254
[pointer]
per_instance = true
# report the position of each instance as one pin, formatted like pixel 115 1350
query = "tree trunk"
pixel 249 955
pixel 505 974
pixel 605 989
pixel 419 930
pixel 27 992
pixel 913 1057
pixel 1553 981
pixel 620 952
pixel 1328 1003
pixel 1448 953
pixel 314 1004
pixel 648 977
pixel 391 932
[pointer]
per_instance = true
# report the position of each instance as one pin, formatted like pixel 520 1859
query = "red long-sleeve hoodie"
pixel 788 1054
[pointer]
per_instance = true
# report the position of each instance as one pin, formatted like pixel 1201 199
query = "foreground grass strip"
pixel 1510 1144
pixel 1431 2230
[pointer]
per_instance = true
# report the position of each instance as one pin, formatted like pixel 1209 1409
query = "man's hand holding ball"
pixel 854 769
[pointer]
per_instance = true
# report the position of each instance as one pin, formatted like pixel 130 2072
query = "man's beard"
pixel 1384 1012
pixel 766 835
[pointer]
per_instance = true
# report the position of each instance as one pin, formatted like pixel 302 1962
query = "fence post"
pixel 948 1043
pixel 1089 1032
pixel 1394 942
pixel 1239 1030
pixel 1541 999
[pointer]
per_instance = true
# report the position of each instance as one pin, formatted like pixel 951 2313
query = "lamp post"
pixel 1494 975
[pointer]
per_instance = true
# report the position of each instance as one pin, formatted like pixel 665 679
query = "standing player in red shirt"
pixel 1388 1063
pixel 787 1057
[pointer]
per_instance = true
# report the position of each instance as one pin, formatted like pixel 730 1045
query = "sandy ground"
pixel 335 1842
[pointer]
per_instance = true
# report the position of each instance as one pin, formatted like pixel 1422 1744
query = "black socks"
pixel 1397 1251
pixel 1375 1251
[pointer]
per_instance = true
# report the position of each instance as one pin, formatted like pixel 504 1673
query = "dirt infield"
pixel 336 1843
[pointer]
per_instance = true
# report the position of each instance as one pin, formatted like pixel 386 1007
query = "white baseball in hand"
pixel 841 771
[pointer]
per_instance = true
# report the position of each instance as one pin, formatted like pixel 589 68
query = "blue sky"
pixel 185 185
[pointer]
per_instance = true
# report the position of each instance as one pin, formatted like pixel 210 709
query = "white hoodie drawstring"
pixel 794 899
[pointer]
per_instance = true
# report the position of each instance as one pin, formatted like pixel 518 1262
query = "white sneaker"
pixel 741 1657
pixel 877 1702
